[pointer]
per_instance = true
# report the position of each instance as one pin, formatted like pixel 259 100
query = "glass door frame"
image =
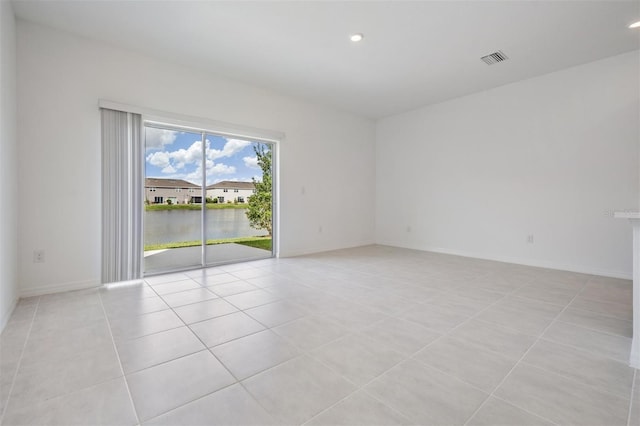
pixel 204 131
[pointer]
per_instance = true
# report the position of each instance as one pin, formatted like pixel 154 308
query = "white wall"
pixel 8 165
pixel 61 77
pixel 551 156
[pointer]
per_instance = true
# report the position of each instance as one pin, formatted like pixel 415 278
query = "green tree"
pixel 259 210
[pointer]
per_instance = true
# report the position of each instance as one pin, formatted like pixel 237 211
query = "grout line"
pixel 357 386
pixel 489 394
pixel 587 351
pixel 115 348
pixel 302 353
pixel 469 318
pixel 272 416
pixel 206 348
pixel 634 390
pixel 557 319
pixel 358 389
pixel 209 349
pixel 189 402
pixel 504 379
pixel 200 340
pixel 394 315
pixel 586 327
pixel 405 359
pixel 601 314
pixel 149 334
pixel 15 374
pixel 341 271
pixel 577 382
pixel 520 408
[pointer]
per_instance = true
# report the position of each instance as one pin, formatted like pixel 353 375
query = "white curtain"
pixel 122 174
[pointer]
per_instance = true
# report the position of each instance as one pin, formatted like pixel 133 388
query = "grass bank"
pixel 261 243
pixel 257 242
pixel 210 206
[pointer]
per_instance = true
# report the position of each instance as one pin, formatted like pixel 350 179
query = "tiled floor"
pixel 373 335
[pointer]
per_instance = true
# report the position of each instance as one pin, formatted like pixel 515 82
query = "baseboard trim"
pixel 522 261
pixel 59 288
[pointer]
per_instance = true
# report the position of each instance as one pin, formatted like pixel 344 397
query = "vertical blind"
pixel 122 174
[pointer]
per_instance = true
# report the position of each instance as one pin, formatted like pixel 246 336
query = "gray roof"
pixel 229 184
pixel 168 183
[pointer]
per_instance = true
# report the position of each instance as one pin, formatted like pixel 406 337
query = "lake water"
pixel 184 225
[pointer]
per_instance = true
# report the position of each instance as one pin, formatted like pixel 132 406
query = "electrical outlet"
pixel 530 239
pixel 38 256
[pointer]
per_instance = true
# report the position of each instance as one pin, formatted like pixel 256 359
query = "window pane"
pixel 232 166
pixel 173 200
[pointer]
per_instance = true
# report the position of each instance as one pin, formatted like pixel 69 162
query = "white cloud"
pixel 213 169
pixel 158 138
pixel 175 160
pixel 231 147
pixel 221 169
pixel 158 159
pixel 195 176
pixel 251 162
pixel 171 162
pixel 191 155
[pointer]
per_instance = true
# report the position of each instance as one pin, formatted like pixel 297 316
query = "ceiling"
pixel 413 53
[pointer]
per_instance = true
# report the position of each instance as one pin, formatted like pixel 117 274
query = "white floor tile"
pixel 358 358
pixel 204 310
pixel 252 354
pixel 297 390
pixel 425 395
pixel 496 412
pixel 467 362
pixel 164 387
pixel 220 330
pixel 428 335
pixel 359 409
pixel 104 404
pixel 147 351
pixel 562 400
pixel 229 406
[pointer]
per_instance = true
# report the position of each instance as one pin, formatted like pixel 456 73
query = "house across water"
pixel 231 191
pixel 171 191
pixel 179 191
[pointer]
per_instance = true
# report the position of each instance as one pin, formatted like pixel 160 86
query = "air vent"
pixel 494 58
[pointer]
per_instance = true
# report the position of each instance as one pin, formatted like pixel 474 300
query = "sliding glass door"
pixel 208 199
pixel 173 200
pixel 239 200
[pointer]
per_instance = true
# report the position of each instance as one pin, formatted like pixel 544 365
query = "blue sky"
pixel 178 155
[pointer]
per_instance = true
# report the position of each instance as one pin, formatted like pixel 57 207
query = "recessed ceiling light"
pixel 635 25
pixel 356 37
